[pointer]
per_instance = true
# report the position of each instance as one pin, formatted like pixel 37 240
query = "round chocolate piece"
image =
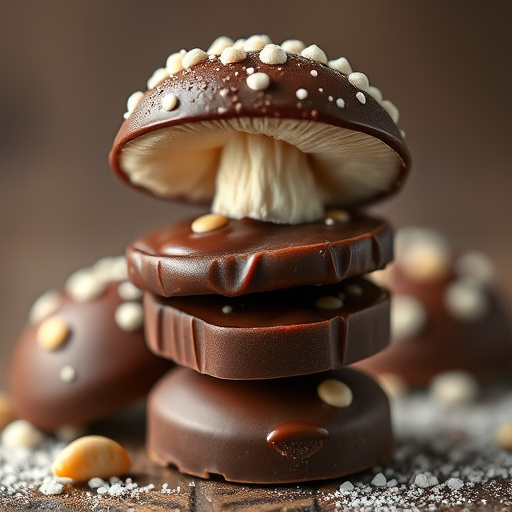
pixel 272 431
pixel 198 133
pixel 446 313
pixel 246 256
pixel 283 333
pixel 83 355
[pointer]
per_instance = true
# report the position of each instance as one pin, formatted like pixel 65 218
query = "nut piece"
pixel 193 57
pixel 92 456
pixel 230 55
pixel 209 222
pixel 273 54
pixel 258 81
pixel 328 302
pixel 503 436
pixel 335 393
pixel 52 333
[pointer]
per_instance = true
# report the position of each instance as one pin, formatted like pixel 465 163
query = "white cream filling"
pixel 277 170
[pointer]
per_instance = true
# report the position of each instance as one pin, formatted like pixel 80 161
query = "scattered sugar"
pixel 379 480
pixel 455 483
pixel 51 488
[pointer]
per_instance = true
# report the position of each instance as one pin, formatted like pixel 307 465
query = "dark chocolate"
pixel 269 335
pixel 98 368
pixel 247 256
pixel 271 431
pixel 198 91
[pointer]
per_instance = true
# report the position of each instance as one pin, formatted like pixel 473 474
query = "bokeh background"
pixel 67 69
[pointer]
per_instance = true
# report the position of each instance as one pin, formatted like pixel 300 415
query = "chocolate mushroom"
pixel 261 132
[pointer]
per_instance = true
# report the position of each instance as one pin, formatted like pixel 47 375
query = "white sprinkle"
pixel 129 316
pixel 67 374
pixel 221 110
pixel 454 388
pixel 476 266
pixel 157 77
pixel 347 486
pixel 132 103
pixel 239 43
pixel 51 488
pixel 342 65
pixel 194 57
pixel 424 480
pixel 379 480
pixel 330 98
pixel 227 310
pixel 359 80
pixel 466 300
pixel 301 94
pixel 85 286
pixel 293 46
pixel 218 46
pixel 174 62
pixel 375 92
pixel 258 81
pixel 230 55
pixel 455 483
pixel 408 317
pixel 361 97
pixel 391 109
pixel 320 89
pixel 256 43
pixel 273 54
pixel 249 71
pixel 224 92
pixel 21 434
pixel 335 393
pixel 128 291
pixel 44 306
pixel 340 102
pixel 95 483
pixel 169 102
pixel 313 72
pixel 315 53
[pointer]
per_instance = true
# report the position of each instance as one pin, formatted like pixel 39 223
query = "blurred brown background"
pixel 67 69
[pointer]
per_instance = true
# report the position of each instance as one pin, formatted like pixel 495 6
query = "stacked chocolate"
pixel 261 302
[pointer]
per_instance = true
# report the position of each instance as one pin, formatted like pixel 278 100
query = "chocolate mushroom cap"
pixel 302 119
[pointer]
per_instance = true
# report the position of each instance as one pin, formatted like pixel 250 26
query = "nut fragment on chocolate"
pixel 269 335
pixel 77 364
pixel 272 431
pixel 276 147
pixel 246 256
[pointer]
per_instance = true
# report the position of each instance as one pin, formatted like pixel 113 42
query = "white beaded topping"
pixel 157 77
pixel 293 46
pixel 315 53
pixel 256 42
pixel 258 81
pixel 132 103
pixel 359 80
pixel 273 54
pixel 218 46
pixel 342 65
pixel 194 57
pixel 129 316
pixel 174 62
pixel 232 54
pixel 169 102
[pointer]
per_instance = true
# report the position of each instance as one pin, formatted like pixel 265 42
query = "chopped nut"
pixel 193 57
pixel 129 316
pixel 315 53
pixel 169 102
pixel 335 393
pixel 503 436
pixel 231 54
pixel 273 54
pixel 258 81
pixel 329 302
pixel 52 333
pixel 209 222
pixel 92 457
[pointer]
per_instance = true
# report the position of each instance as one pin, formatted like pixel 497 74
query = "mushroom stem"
pixel 266 179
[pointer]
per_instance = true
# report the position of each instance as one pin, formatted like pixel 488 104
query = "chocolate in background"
pixel 67 69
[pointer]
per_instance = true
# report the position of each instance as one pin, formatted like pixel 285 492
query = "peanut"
pixel 208 222
pixel 335 393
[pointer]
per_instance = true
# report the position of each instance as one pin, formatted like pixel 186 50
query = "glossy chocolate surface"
pixel 247 256
pixel 113 367
pixel 198 90
pixel 270 335
pixel 272 431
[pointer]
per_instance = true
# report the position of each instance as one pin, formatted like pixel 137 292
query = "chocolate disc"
pixel 83 354
pixel 273 431
pixel 288 332
pixel 246 256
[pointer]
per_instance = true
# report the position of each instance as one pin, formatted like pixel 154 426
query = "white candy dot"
pixel 217 47
pixel 128 291
pixel 313 73
pixel 129 316
pixel 359 80
pixel 466 301
pixel 454 388
pixel 391 109
pixel 408 317
pixel 227 309
pixel 273 54
pixel 194 57
pixel 335 393
pixel 379 480
pixel 157 77
pixel 256 43
pixel 340 102
pixel 361 97
pixel 21 434
pixel 84 285
pixel 329 302
pixel 301 94
pixel 293 46
pixel 132 103
pixel 258 81
pixel 342 65
pixel 169 102
pixel 67 374
pixel 375 92
pixel 174 62
pixel 230 55
pixel 44 306
pixel 315 53
pixel 476 266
